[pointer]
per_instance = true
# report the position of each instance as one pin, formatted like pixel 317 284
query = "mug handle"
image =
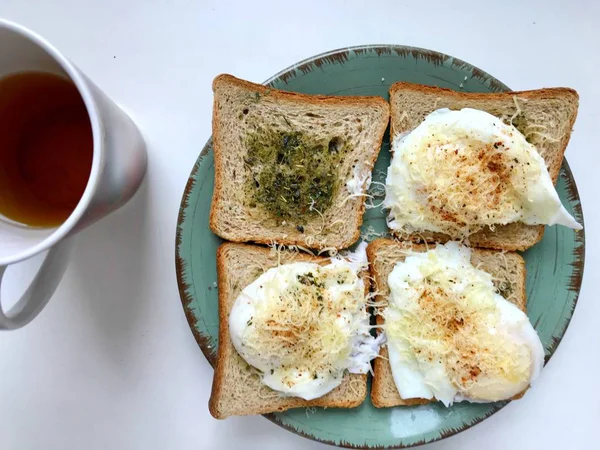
pixel 41 288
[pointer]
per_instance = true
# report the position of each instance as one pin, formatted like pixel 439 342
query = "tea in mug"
pixel 46 148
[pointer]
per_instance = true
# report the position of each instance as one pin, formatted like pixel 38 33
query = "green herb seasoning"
pixel 505 289
pixel 520 124
pixel 292 175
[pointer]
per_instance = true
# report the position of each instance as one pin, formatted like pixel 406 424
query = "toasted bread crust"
pixel 483 239
pixel 294 97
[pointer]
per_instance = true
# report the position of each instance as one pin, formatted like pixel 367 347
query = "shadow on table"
pixel 259 429
pixel 109 263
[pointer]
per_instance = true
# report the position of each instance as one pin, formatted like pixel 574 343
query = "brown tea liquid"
pixel 46 148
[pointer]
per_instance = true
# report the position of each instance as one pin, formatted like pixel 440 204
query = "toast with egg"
pixel 237 388
pixel 292 168
pixel 545 117
pixel 507 269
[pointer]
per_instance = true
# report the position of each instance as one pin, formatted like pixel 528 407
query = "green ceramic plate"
pixel 554 266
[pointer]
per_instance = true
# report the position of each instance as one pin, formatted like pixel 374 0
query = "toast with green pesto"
pixel 292 168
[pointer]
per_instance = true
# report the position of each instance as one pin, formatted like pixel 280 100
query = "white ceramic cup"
pixel 118 167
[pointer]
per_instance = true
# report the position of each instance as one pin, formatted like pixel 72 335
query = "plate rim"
pixel 341 55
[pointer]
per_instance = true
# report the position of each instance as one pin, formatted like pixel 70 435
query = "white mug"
pixel 118 167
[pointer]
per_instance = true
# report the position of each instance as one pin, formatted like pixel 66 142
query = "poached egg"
pixel 451 336
pixel 460 171
pixel 302 325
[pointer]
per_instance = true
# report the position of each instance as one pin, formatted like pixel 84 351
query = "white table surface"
pixel 111 363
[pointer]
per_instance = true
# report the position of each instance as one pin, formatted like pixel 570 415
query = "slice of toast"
pixel 554 109
pixel 237 389
pixel 383 254
pixel 352 127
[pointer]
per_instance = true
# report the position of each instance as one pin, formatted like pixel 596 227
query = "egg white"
pixel 420 378
pixel 299 381
pixel 443 128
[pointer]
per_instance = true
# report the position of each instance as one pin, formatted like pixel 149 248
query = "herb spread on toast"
pixel 292 175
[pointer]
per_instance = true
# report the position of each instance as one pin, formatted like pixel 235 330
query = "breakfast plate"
pixel 554 266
